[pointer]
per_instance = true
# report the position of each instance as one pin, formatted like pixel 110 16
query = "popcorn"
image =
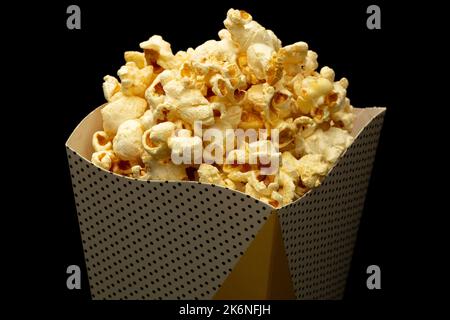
pixel 120 110
pixel 293 57
pixel 101 141
pixel 164 170
pixel 138 58
pixel 139 173
pixel 158 52
pixel 159 107
pixel 312 168
pixel 127 142
pixel 110 87
pixel 256 44
pixel 330 144
pixel 103 159
pixel 134 81
pixel 155 140
pixel 210 174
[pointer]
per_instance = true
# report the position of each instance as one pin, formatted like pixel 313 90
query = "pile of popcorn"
pixel 246 80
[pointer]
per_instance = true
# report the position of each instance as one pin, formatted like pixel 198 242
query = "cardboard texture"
pixel 187 240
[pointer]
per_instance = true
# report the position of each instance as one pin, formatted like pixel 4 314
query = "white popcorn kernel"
pixel 157 51
pixel 221 86
pixel 120 110
pixel 101 141
pixel 210 175
pixel 312 167
pixel 292 57
pixel 103 159
pixel 259 97
pixel 203 113
pixel 246 32
pixel 155 94
pixel 330 144
pixel 282 104
pixel 111 86
pixel 327 73
pixel 135 81
pixel 136 57
pixel 311 63
pixel 345 117
pixel 286 191
pixel 312 94
pixel 305 126
pixel 127 143
pixel 155 140
pixel 165 170
pixel 139 173
pixel 258 58
pixel 213 56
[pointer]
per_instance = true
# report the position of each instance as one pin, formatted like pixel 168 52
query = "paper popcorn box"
pixel 187 240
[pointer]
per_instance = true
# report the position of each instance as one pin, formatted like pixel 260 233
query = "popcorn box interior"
pixel 189 240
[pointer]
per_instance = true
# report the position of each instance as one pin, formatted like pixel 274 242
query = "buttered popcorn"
pixel 245 80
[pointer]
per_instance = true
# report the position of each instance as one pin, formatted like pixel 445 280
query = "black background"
pixel 72 63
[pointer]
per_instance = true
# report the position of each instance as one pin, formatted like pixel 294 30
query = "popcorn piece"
pixel 330 144
pixel 135 81
pixel 310 64
pixel 158 52
pixel 345 117
pixel 155 93
pixel 293 56
pixel 213 56
pixel 312 168
pixel 101 141
pixel 312 95
pixel 164 169
pixel 127 142
pixel 305 126
pixel 110 87
pixel 287 130
pixel 140 173
pixel 286 192
pixel 137 57
pixel 327 73
pixel 257 43
pixel 103 159
pixel 259 97
pixel 210 174
pixel 282 104
pixel 120 110
pixel 155 140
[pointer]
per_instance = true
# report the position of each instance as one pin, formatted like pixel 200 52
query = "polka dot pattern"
pixel 180 240
pixel 319 230
pixel 159 240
